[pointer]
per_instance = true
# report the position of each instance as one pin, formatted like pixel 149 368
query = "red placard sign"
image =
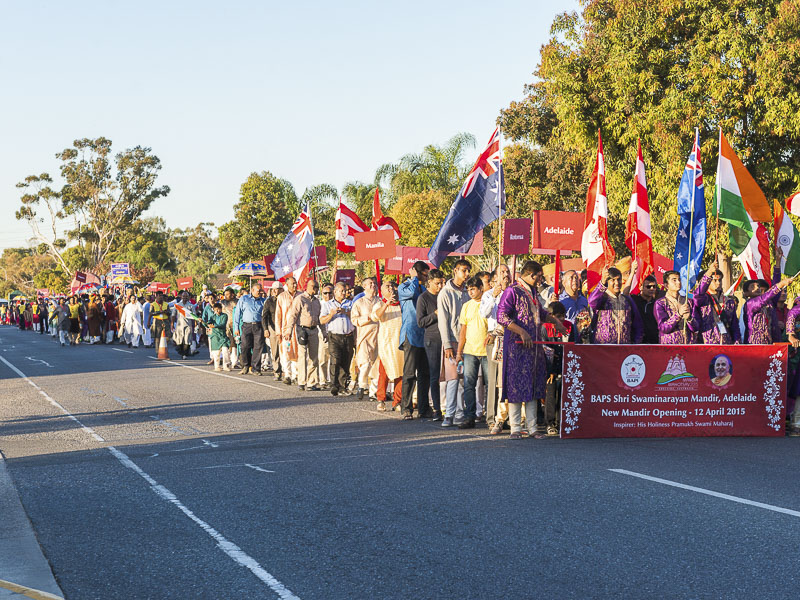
pixel 320 255
pixel 44 293
pixel 394 265
pixel 662 264
pixel 80 276
pixel 374 245
pixel 184 283
pixel 347 276
pixel 412 254
pixel 556 230
pixel 673 391
pixel 516 236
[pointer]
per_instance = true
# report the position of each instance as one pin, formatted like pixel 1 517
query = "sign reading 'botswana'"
pixel 374 245
pixel 673 391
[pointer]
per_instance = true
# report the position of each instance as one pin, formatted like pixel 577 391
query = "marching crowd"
pixel 472 348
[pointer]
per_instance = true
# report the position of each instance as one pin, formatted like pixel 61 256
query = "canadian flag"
pixel 596 251
pixel 379 221
pixel 347 223
pixel 793 205
pixel 638 236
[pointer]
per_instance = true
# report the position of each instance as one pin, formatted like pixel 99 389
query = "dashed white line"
pixel 699 490
pixel 257 468
pixel 121 350
pixel 229 548
pixel 173 427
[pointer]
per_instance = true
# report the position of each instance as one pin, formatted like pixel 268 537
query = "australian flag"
pixel 296 248
pixel 691 242
pixel 481 200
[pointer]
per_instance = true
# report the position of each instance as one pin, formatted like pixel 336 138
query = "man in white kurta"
pixel 288 351
pixel 388 315
pixel 367 338
pixel 133 321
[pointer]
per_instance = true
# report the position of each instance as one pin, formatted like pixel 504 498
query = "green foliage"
pixel 266 209
pixel 420 215
pixel 655 70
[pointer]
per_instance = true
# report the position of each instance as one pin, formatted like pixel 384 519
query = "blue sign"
pixel 120 269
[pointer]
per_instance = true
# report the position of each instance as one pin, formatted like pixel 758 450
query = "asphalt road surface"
pixel 148 479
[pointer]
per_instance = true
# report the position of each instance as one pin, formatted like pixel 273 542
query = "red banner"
pixel 394 266
pixel 184 283
pixel 44 293
pixel 661 266
pixel 412 254
pixel 673 391
pixel 516 236
pixel 347 276
pixel 374 245
pixel 80 276
pixel 556 230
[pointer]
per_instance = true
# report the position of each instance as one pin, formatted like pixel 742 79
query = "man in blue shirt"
pixel 412 342
pixel 571 296
pixel 248 326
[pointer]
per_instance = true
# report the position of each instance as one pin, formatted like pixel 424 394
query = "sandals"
pixel 382 406
pixel 552 431
pixel 517 435
pixel 497 429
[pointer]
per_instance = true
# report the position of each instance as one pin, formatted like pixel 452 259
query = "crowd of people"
pixel 464 350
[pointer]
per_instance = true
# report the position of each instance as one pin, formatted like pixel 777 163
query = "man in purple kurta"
pixel 524 364
pixel 715 313
pixel 674 314
pixel 760 322
pixel 616 318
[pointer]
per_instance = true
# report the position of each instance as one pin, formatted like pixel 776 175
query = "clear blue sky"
pixel 315 92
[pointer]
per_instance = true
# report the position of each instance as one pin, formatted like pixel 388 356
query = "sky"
pixel 314 92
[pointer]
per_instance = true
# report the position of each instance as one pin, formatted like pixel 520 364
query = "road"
pixel 148 479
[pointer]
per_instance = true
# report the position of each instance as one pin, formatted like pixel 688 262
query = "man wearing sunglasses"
pixel 324 357
pixel 645 301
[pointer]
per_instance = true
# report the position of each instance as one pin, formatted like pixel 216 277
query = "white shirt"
pixel 488 309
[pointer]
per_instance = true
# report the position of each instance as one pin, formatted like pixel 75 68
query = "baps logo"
pixel 633 371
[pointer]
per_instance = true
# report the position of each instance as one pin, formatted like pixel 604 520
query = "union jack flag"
pixel 296 248
pixel 488 164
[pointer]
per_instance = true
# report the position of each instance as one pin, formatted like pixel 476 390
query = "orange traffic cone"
pixel 162 346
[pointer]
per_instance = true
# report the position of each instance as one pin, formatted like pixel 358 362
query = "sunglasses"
pixel 652 286
pixel 326 293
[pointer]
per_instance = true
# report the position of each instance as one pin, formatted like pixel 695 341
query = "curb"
pixel 21 558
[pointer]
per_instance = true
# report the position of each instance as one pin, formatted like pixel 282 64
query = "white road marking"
pixel 212 444
pixel 121 350
pixel 121 401
pixel 25 378
pixel 257 468
pixel 242 379
pixel 229 548
pixel 174 428
pixel 691 488
pixel 44 362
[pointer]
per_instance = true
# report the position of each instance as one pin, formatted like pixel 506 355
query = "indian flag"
pixel 186 313
pixel 787 242
pixel 742 205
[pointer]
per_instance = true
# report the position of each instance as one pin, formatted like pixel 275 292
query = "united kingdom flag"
pixel 482 199
pixel 296 248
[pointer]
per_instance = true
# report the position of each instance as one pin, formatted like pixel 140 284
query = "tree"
pixel 195 251
pixel 359 196
pixel 655 70
pixel 420 215
pixel 266 209
pixel 103 202
pixel 322 201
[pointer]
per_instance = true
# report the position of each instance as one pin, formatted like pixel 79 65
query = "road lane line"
pixel 229 548
pixel 272 387
pixel 691 488
pixel 24 377
pixel 174 428
pixel 257 468
pixel 121 350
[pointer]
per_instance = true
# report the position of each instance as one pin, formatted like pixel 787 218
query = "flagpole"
pixel 691 214
pixel 499 197
pixel 313 243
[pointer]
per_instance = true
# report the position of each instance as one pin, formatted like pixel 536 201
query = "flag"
pixel 187 314
pixel 742 205
pixel 379 221
pixel 638 233
pixel 347 223
pixel 691 241
pixel 787 241
pixel 596 251
pixel 793 204
pixel 482 199
pixel 295 250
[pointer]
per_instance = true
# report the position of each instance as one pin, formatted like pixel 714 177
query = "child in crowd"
pixel 216 326
pixel 472 349
pixel 552 403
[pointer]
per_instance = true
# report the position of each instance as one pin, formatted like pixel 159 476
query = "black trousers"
pixel 433 351
pixel 252 345
pixel 415 372
pixel 160 325
pixel 552 401
pixel 340 350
